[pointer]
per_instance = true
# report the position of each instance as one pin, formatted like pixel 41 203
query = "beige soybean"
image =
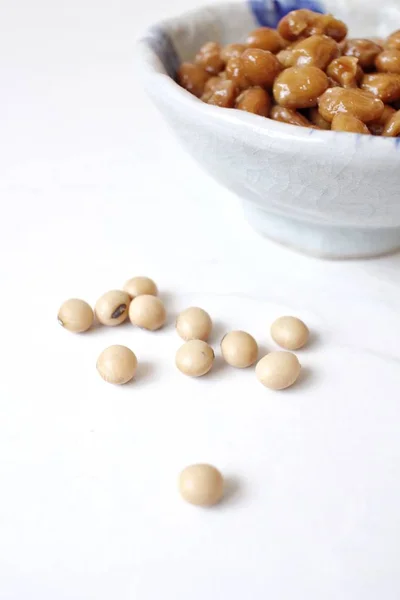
pixel 147 312
pixel 393 41
pixel 112 308
pixel 349 124
pixel 290 333
pixel 193 78
pixel 392 127
pixel 317 51
pixel 139 286
pixel 388 61
pixel 75 315
pixel 278 370
pixel 288 115
pixel 317 119
pixel 303 23
pixel 222 94
pixel 239 349
pixel 260 67
pixel 232 51
pixel 385 86
pixel 266 39
pixel 209 57
pixel 201 485
pixel 235 73
pixel 296 24
pixel 254 100
pixel 377 127
pixel 195 358
pixel 346 71
pixel 359 103
pixel 194 323
pixel 117 364
pixel 300 87
pixel 285 57
pixel 364 50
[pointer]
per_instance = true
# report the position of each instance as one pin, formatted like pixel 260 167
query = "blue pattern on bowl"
pixel 162 45
pixel 268 13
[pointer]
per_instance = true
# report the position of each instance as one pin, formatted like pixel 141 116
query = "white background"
pixel 94 190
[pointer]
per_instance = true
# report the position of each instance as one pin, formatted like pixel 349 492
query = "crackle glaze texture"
pixel 326 193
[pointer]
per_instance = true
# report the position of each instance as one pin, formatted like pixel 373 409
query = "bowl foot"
pixel 323 241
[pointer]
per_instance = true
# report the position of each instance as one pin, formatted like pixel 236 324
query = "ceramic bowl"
pixel 327 193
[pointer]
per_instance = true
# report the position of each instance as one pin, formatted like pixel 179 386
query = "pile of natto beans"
pixel 199 484
pixel 307 73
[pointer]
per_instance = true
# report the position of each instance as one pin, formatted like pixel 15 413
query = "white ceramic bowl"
pixel 331 194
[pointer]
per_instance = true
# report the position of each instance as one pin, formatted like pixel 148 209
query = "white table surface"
pixel 95 189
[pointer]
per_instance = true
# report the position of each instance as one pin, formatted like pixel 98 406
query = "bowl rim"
pixel 152 69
